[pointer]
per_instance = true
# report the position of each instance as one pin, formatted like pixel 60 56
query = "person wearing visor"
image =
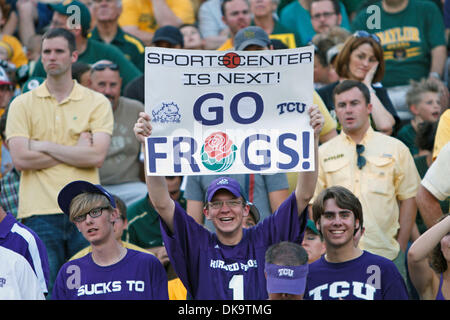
pixel 110 271
pixel 286 269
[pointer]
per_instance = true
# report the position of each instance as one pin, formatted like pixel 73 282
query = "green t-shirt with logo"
pixel 407 38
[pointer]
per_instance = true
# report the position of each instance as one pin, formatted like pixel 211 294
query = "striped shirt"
pixel 21 239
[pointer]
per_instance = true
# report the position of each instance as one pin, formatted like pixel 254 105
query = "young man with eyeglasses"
pixel 227 264
pixel 325 14
pixel 377 168
pixel 296 17
pixel 110 271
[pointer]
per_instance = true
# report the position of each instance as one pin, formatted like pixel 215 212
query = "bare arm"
pixel 26 159
pixel 407 218
pixel 429 206
pixel 383 119
pixel 421 273
pixel 438 57
pixel 164 15
pixel 195 209
pixel 307 180
pixel 27 11
pixel 277 197
pixel 86 153
pixel 156 185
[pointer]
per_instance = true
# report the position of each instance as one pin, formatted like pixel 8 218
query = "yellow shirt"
pixel 389 175
pixel 19 58
pixel 329 124
pixel 442 133
pixel 37 115
pixel 176 289
pixel 127 245
pixel 140 13
pixel 227 45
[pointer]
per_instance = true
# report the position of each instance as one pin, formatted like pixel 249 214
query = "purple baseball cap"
pixel 286 279
pixel 75 188
pixel 226 183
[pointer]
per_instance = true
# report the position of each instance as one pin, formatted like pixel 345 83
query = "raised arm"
pixel 306 180
pixel 420 271
pixel 156 185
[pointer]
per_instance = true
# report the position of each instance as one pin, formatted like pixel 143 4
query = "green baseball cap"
pixel 311 226
pixel 67 8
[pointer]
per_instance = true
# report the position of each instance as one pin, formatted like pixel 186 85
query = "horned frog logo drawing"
pixel 218 153
pixel 167 113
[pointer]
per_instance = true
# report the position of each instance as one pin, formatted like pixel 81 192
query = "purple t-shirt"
pixel 368 277
pixel 21 239
pixel 212 270
pixel 138 276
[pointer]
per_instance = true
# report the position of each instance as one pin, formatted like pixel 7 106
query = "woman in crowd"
pixel 361 58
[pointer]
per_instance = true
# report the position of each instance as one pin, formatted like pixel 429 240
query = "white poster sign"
pixel 218 112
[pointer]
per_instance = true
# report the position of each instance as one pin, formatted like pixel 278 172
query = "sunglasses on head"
pixel 365 34
pixel 360 161
pixel 103 66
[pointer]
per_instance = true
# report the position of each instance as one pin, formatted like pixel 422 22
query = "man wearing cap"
pixel 55 132
pixel 266 191
pixel 165 37
pixel 286 268
pixel 107 30
pixel 111 271
pixel 227 264
pixel 313 242
pixel 89 50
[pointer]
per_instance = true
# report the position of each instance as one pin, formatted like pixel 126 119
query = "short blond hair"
pixel 85 202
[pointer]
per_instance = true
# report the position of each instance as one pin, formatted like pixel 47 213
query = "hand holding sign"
pixel 211 114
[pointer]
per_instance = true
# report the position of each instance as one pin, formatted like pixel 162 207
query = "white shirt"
pixel 17 279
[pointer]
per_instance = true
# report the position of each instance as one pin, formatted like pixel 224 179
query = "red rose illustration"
pixel 218 145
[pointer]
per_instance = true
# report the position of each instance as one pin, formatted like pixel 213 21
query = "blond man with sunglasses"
pixel 377 168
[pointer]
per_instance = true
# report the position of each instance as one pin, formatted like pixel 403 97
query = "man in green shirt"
pixel 412 36
pixel 89 51
pixel 107 30
pixel 143 221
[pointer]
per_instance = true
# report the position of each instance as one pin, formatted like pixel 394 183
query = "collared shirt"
pixel 37 115
pixel 388 176
pixel 132 47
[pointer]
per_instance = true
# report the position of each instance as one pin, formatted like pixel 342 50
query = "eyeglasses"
pixel 103 66
pixel 365 34
pixel 230 203
pixel 94 213
pixel 323 14
pixel 361 161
